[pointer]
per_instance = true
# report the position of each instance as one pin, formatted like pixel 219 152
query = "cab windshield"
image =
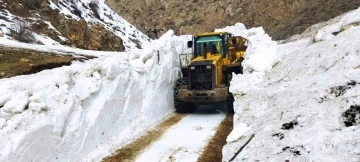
pixel 212 44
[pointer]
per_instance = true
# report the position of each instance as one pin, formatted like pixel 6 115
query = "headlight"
pixel 208 67
pixel 192 67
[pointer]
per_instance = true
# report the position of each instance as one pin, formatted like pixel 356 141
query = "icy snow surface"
pixel 296 109
pixel 84 111
pixel 183 141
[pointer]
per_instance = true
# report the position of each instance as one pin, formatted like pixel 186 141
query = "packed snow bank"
pixel 81 112
pixel 307 107
pixel 260 56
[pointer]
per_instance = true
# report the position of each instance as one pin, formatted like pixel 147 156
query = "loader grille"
pixel 201 77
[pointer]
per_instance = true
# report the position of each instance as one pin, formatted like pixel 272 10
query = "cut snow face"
pixel 260 56
pixel 306 107
pixel 95 14
pixel 85 110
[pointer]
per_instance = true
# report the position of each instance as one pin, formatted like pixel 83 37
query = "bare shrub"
pixel 94 6
pixel 33 4
pixel 22 33
pixel 162 8
pixel 76 11
pixel 199 21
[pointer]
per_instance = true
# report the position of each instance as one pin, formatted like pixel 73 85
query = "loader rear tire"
pixel 182 106
pixel 230 99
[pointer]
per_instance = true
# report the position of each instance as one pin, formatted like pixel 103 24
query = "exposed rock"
pixel 98 38
pixel 40 43
pixel 24 60
pixel 78 34
pixel 351 116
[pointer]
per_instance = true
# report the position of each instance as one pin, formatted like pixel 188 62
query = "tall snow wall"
pixel 81 112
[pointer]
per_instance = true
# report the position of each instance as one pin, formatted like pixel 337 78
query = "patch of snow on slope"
pixel 92 12
pixel 10 22
pixel 98 12
pixel 54 49
pixel 83 111
pixel 307 108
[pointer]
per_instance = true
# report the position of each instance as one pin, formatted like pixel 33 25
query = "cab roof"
pixel 211 33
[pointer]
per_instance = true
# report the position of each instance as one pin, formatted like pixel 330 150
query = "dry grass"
pixel 137 43
pixel 213 152
pixel 15 62
pixel 129 152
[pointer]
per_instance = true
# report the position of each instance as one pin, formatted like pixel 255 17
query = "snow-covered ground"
pixel 77 9
pixel 84 111
pixel 305 107
pixel 58 49
pixel 185 140
pixel 294 96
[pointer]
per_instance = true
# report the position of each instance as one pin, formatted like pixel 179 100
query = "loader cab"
pixel 214 43
pixel 208 44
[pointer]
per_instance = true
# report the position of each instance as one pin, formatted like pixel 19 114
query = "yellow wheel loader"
pixel 206 75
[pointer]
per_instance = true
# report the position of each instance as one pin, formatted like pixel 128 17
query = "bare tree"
pixel 33 4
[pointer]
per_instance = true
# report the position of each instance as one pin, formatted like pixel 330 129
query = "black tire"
pixel 182 106
pixel 230 99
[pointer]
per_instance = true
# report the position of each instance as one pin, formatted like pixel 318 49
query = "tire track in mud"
pixel 129 152
pixel 213 151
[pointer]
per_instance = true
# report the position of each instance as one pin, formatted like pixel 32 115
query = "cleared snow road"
pixel 184 141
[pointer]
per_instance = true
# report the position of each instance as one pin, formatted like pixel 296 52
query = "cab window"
pixel 212 44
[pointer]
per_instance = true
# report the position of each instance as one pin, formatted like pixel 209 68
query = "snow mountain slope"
pixel 307 107
pixel 88 24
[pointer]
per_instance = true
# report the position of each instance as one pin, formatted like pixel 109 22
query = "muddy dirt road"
pixel 197 137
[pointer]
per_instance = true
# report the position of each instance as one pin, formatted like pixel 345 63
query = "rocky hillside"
pixel 78 23
pixel 280 18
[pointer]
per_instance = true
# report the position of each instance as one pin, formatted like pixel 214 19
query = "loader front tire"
pixel 182 106
pixel 230 99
